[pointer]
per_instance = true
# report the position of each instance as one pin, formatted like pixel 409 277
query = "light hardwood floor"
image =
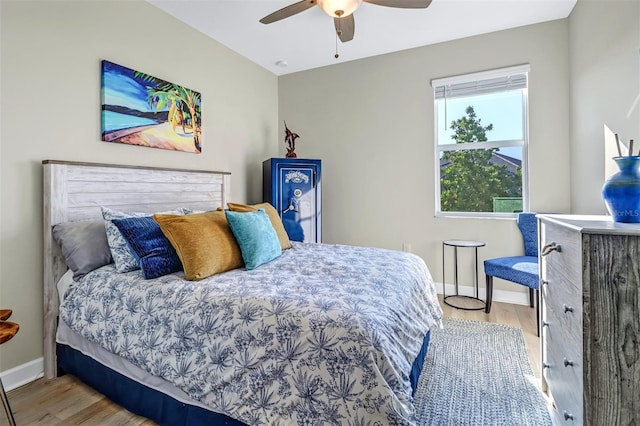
pixel 66 401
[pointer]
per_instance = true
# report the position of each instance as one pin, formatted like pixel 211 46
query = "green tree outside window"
pixel 470 179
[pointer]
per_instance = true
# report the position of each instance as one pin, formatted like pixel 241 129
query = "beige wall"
pixel 50 88
pixel 371 123
pixel 605 91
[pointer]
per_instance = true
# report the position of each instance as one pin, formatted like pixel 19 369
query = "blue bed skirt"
pixel 418 363
pixel 156 405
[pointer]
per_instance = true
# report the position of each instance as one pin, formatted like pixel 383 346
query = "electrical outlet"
pixel 406 247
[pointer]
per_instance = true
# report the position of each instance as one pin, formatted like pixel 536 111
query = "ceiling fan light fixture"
pixel 339 8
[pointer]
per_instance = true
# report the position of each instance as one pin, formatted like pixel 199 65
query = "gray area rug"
pixel 478 373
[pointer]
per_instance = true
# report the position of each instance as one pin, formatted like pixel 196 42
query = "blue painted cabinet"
pixel 293 187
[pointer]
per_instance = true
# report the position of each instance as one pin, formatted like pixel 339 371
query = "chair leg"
pixel 531 297
pixel 537 312
pixel 489 288
pixel 7 407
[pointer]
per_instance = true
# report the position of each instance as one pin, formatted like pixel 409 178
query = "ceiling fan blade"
pixel 345 27
pixel 287 11
pixel 407 4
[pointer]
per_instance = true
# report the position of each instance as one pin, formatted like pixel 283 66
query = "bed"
pixel 322 334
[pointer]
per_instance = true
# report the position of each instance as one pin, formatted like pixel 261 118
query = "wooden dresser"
pixel 590 319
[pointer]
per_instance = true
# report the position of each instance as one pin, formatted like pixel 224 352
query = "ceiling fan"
pixel 341 11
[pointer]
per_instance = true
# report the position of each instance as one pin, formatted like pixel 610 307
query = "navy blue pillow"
pixel 152 249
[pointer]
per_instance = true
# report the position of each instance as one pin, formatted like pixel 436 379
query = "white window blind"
pixel 481 83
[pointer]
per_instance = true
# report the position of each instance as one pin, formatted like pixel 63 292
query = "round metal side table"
pixel 461 244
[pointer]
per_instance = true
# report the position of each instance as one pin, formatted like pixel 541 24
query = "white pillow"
pixel 65 282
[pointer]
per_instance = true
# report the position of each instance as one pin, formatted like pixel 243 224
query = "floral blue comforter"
pixel 325 334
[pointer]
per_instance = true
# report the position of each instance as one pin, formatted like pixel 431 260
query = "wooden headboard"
pixel 76 191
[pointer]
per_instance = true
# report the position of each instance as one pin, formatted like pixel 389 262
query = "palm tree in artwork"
pixel 176 117
pixel 183 104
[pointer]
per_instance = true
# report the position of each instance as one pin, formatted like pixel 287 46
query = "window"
pixel 481 143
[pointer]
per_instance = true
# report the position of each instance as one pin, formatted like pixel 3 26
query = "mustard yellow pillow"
pixel 274 217
pixel 204 243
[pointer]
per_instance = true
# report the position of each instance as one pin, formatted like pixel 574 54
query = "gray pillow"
pixel 84 245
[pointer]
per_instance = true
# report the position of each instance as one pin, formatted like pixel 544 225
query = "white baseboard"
pixel 22 374
pixel 505 296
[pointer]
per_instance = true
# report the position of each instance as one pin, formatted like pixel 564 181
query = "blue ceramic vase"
pixel 621 192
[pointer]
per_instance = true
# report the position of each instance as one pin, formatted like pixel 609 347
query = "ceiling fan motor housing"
pixel 339 8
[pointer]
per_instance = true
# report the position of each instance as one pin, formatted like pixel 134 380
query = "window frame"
pixel 523 143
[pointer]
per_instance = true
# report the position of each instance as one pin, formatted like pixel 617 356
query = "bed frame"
pixel 76 191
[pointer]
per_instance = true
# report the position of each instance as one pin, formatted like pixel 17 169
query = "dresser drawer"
pixel 564 263
pixel 562 305
pixel 560 340
pixel 562 343
pixel 566 395
pixel 563 356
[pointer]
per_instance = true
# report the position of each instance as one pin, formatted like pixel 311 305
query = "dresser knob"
pixel 567 308
pixel 567 416
pixel 545 324
pixel 545 282
pixel 551 247
pixel 545 365
pixel 567 362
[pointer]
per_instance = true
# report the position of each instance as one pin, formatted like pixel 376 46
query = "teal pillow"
pixel 256 237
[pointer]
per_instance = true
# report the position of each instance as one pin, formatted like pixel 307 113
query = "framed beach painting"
pixel 139 109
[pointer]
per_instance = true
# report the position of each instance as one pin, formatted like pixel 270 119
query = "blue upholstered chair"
pixel 521 270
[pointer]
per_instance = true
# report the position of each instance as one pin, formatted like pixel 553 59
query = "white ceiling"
pixel 307 40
